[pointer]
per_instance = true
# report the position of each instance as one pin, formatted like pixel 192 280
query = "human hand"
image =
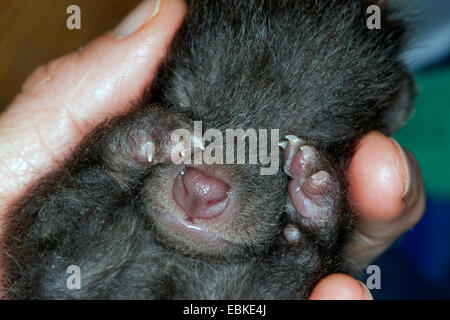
pixel 388 193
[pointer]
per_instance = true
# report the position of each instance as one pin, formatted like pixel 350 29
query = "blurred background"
pixel 417 266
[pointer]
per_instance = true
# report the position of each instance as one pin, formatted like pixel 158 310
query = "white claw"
pixel 283 144
pixel 148 150
pixel 293 139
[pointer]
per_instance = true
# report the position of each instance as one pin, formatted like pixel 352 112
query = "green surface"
pixel 427 134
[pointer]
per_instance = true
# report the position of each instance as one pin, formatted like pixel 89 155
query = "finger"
pixel 62 100
pixel 388 194
pixel 340 287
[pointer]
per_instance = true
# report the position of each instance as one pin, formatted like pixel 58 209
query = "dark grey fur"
pixel 309 68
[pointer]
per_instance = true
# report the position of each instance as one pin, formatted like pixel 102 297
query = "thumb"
pixel 63 99
pixel 340 287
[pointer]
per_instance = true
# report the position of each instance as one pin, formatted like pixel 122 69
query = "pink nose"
pixel 200 195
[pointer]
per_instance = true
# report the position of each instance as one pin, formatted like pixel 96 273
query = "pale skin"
pixel 62 100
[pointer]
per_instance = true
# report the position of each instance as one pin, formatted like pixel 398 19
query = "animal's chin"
pixel 194 237
pixel 191 230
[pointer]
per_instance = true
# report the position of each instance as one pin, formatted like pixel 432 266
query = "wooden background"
pixel 34 32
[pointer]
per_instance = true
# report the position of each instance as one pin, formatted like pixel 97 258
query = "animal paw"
pixel 149 137
pixel 312 190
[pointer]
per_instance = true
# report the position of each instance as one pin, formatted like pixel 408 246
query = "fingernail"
pixel 365 292
pixel 406 168
pixel 140 15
